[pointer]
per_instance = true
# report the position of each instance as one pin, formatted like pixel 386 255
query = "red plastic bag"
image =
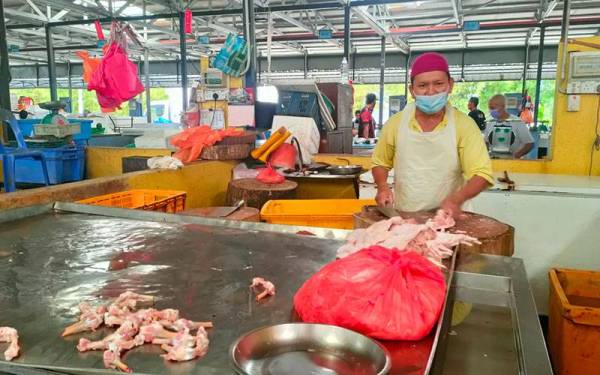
pixel 269 176
pixel 382 293
pixel 116 78
pixel 192 141
pixel 284 157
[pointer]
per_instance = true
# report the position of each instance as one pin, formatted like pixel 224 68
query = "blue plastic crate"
pixel 86 129
pixel 65 164
pixel 26 127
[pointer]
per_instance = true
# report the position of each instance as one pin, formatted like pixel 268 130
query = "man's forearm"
pixel 523 150
pixel 472 188
pixel 380 175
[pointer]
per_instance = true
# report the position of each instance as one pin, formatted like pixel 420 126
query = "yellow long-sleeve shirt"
pixel 472 152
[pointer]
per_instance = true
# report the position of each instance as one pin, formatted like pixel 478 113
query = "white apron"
pixel 426 166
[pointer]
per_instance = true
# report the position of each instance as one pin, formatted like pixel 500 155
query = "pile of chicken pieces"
pixel 10 335
pixel 138 326
pixel 430 240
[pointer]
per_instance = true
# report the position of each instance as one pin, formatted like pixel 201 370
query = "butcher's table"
pixel 54 256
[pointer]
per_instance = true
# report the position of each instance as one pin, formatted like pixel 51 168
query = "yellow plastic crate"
pixel 142 199
pixel 326 213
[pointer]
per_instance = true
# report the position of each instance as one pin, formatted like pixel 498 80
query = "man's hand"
pixel 385 196
pixel 453 206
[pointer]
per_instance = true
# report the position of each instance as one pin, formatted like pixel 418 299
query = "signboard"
pixel 471 26
pixel 325 34
pixel 203 39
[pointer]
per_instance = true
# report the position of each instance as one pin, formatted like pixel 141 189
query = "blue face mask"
pixel 495 114
pixel 431 104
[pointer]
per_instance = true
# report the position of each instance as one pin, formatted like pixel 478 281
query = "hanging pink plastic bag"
pixel 382 293
pixel 284 156
pixel 269 175
pixel 116 78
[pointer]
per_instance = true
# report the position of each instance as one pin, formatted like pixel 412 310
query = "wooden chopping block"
pixel 227 152
pixel 242 214
pixel 256 194
pixel 496 237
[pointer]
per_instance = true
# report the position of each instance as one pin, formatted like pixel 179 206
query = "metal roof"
pixel 420 24
pixel 415 25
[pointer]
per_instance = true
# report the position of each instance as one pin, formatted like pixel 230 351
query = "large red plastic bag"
pixel 270 176
pixel 382 293
pixel 116 79
pixel 284 157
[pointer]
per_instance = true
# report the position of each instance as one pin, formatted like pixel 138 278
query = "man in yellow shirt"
pixel 438 154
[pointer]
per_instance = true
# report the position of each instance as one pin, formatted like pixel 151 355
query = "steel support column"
pixel 70 85
pixel 183 53
pixel 51 64
pixel 305 64
pixel 406 76
pixel 147 84
pixel 250 35
pixel 347 32
pixel 4 67
pixel 353 64
pixel 538 78
pixel 381 80
pixel 525 66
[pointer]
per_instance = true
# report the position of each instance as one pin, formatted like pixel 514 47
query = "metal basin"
pixel 301 348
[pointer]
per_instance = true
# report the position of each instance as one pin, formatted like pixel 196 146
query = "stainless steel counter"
pixel 53 258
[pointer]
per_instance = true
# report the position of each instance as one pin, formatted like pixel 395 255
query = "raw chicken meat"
pixel 10 335
pixel 263 287
pixel 183 349
pixel 183 324
pixel 154 331
pixel 430 239
pixel 112 359
pixel 131 300
pixel 136 327
pixel 89 320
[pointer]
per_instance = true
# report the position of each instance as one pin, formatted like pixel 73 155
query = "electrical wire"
pixel 596 144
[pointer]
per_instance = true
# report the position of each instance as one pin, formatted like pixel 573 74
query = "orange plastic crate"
pixel 574 324
pixel 142 199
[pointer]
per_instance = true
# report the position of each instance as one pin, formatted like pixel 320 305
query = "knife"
pixel 388 211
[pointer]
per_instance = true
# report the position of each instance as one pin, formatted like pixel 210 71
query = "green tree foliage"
pixel 464 90
pixel 90 102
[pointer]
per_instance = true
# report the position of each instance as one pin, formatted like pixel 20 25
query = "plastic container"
pixel 65 164
pixel 26 127
pixel 574 322
pixel 326 213
pixel 142 199
pixel 59 131
pixel 86 129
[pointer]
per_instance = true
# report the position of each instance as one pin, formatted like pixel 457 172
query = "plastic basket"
pixel 326 213
pixel 574 321
pixel 65 164
pixel 59 131
pixel 142 199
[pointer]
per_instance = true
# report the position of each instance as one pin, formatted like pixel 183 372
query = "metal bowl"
pixel 302 348
pixel 344 169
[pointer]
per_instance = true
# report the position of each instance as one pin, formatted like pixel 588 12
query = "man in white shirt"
pixel 522 142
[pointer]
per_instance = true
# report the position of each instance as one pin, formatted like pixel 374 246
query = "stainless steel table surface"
pixel 52 260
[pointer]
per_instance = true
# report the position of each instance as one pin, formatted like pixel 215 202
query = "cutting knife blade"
pixel 388 211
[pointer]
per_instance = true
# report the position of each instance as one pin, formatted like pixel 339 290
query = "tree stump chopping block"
pixel 496 238
pixel 256 194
